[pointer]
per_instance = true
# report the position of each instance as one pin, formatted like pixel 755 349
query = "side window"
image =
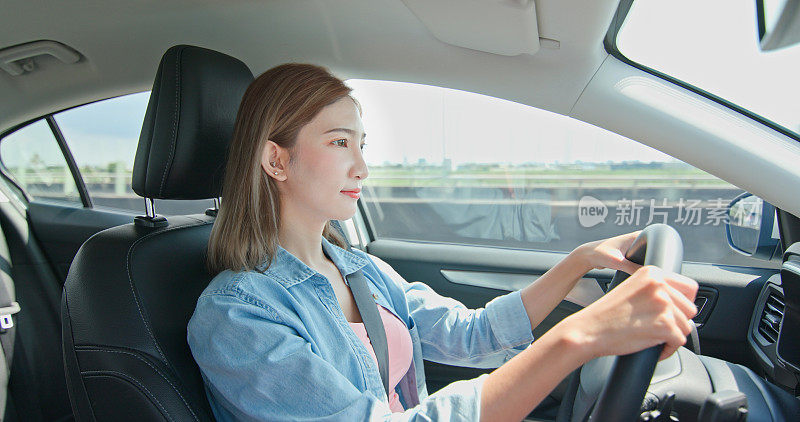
pixel 33 158
pixel 457 167
pixel 102 137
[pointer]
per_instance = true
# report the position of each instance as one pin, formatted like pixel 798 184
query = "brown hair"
pixel 274 107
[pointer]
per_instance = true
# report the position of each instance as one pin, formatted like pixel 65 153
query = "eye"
pixel 340 142
pixel 363 145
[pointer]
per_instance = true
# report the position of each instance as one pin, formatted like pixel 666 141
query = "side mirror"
pixel 778 23
pixel 751 227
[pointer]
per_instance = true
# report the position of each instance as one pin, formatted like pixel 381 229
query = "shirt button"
pixel 375 296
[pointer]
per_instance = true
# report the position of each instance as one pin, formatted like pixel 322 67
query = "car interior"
pixel 95 298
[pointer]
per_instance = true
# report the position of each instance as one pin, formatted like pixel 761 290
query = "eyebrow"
pixel 346 130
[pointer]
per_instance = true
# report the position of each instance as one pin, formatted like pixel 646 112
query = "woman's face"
pixel 323 179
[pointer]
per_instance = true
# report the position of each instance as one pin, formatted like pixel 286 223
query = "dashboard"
pixel 774 334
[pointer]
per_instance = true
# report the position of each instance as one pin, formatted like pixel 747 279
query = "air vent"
pixel 771 318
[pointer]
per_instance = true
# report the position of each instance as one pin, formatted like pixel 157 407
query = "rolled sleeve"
pixel 459 401
pixel 509 320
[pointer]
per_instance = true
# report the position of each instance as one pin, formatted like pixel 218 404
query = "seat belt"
pixel 693 342
pixel 8 307
pixel 369 314
pixel 6 348
pixel 372 322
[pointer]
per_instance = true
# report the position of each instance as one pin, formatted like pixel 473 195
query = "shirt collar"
pixel 289 270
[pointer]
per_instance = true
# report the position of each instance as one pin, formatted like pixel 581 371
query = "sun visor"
pixel 505 27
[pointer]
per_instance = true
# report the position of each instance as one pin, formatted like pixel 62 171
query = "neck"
pixel 300 235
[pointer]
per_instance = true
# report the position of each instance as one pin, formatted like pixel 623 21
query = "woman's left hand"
pixel 609 253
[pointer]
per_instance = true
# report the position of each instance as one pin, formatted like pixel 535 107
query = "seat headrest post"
pixel 150 219
pixel 149 207
pixel 212 212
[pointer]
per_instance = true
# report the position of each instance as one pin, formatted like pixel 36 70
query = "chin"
pixel 344 213
pixel 343 216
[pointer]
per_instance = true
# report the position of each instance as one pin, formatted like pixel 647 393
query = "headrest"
pixel 188 124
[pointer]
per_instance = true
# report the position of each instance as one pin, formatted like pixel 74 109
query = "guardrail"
pixel 118 183
pixel 548 180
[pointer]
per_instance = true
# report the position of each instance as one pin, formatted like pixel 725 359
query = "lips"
pixel 353 193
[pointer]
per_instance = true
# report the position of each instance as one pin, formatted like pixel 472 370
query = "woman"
pixel 277 335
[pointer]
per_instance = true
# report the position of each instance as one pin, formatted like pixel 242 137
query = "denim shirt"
pixel 274 344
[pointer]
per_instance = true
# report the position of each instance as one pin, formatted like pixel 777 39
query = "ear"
pixel 273 160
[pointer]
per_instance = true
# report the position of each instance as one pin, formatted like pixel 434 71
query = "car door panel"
pixel 37 367
pixel 62 229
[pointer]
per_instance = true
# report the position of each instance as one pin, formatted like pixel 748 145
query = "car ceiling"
pixel 121 43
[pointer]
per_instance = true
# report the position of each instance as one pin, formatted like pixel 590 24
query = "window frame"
pixel 77 177
pixel 610 45
pixel 73 166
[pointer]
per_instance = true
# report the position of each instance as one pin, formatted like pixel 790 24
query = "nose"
pixel 359 169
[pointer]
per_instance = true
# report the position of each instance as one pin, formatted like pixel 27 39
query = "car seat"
pixel 131 289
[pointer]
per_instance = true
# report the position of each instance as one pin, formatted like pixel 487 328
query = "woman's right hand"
pixel 651 307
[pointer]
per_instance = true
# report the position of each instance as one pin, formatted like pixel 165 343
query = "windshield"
pixel 713 45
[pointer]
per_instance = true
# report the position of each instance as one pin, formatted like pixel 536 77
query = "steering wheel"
pixel 622 395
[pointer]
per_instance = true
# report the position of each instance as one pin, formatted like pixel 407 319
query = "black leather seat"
pixel 131 289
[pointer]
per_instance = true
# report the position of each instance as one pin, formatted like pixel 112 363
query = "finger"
pixel 683 323
pixel 667 352
pixel 674 340
pixel 686 307
pixel 633 235
pixel 645 271
pixel 683 284
pixel 626 240
pixel 628 267
pixel 650 272
pixel 620 263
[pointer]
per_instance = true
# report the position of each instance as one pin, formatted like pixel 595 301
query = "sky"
pixel 412 122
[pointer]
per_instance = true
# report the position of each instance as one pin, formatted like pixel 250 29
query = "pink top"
pixel 399 344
